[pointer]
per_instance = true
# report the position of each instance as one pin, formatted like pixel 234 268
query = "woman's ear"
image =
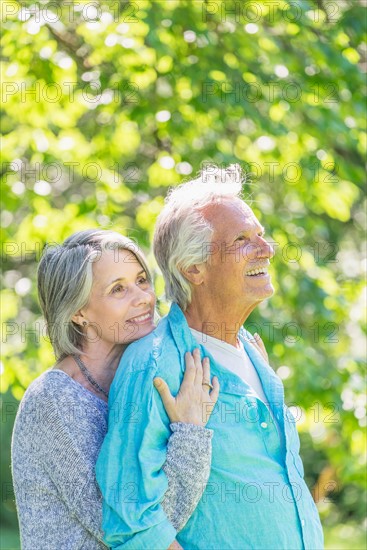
pixel 194 274
pixel 79 319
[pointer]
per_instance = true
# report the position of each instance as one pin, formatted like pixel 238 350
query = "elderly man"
pixel 214 258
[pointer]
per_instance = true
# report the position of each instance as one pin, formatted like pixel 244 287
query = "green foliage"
pixel 104 110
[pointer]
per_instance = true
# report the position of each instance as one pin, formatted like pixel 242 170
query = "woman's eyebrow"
pixel 124 278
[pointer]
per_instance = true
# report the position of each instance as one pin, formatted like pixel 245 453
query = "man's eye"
pixel 241 238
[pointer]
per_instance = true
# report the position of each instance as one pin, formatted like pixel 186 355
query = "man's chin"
pixel 271 290
pixel 266 292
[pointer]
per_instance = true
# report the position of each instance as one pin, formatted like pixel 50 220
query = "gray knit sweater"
pixel 57 436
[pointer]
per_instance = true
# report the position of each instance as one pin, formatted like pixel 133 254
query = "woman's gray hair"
pixel 65 278
pixel 182 235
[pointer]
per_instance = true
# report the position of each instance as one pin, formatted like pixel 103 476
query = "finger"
pixel 199 368
pixel 214 394
pixel 166 396
pixel 206 369
pixel 190 369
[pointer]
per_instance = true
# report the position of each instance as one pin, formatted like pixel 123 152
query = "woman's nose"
pixel 142 296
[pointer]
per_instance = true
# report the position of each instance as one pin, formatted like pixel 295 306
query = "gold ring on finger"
pixel 207 383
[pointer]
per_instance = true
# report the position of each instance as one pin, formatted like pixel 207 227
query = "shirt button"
pixel 264 424
pixel 303 523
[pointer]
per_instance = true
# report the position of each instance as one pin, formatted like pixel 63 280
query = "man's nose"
pixel 269 249
pixel 264 249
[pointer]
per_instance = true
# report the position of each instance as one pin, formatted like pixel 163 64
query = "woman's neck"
pixel 101 364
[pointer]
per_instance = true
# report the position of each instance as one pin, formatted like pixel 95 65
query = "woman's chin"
pixel 139 332
pixel 146 329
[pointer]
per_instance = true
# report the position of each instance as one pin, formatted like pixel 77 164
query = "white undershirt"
pixel 234 359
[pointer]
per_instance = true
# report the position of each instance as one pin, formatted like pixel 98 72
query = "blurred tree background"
pixel 108 103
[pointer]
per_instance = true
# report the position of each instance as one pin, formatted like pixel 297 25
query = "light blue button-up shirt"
pixel 256 496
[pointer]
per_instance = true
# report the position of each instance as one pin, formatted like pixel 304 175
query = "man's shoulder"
pixel 145 346
pixel 153 355
pixel 151 350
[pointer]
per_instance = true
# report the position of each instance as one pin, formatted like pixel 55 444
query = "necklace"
pixel 88 375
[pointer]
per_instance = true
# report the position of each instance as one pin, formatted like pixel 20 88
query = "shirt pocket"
pixel 267 429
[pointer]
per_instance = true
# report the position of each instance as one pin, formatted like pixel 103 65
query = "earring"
pixel 85 323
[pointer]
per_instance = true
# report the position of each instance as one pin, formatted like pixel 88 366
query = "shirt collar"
pixel 180 329
pixel 272 386
pixel 184 340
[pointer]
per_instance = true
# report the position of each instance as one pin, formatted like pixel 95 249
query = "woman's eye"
pixel 142 280
pixel 117 288
pixel 241 238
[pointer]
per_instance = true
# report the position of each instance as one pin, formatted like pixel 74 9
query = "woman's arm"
pixel 57 439
pixel 187 468
pixel 58 500
pixel 63 449
pixel 189 448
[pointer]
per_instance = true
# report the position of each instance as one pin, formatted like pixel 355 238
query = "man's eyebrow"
pixel 261 229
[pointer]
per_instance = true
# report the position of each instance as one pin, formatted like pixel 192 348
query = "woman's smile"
pixel 141 319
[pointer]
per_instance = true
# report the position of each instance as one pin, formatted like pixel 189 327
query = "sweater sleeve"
pixel 187 468
pixel 62 446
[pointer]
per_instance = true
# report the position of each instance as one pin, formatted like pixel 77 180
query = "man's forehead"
pixel 230 216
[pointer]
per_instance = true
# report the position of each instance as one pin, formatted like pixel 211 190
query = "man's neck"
pixel 214 325
pixel 209 338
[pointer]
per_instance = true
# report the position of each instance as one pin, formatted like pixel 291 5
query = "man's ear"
pixel 194 274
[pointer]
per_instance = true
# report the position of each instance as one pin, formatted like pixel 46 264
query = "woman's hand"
pixel 194 402
pixel 259 345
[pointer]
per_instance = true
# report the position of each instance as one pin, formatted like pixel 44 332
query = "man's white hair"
pixel 182 235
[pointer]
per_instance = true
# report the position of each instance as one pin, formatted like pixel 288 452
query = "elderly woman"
pixel 96 295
